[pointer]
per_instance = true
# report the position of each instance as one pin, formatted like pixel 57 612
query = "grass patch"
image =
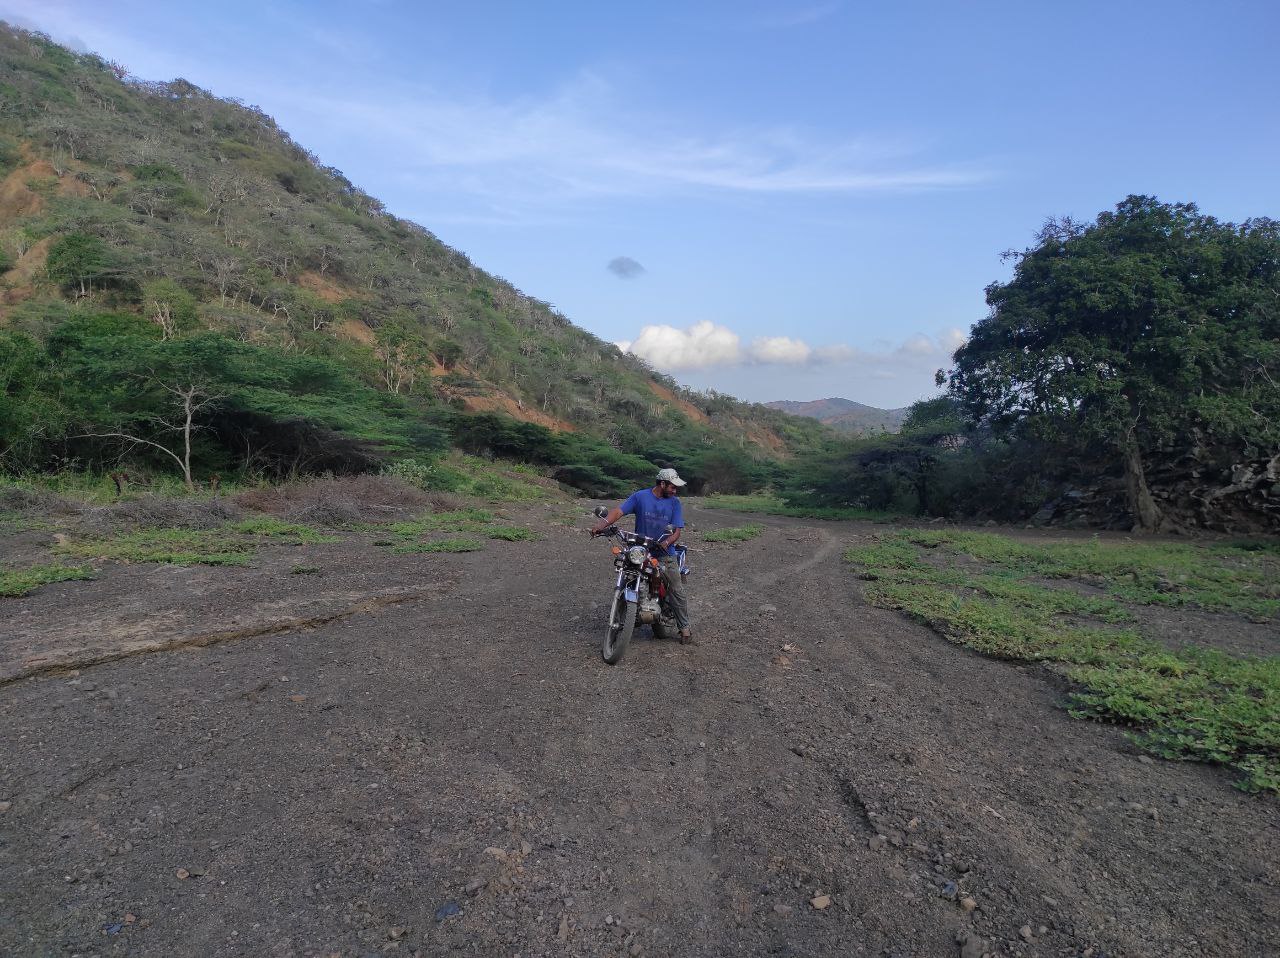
pixel 1224 578
pixel 461 527
pixel 735 534
pixel 456 544
pixel 100 489
pixel 511 533
pixel 230 545
pixel 773 506
pixel 18 582
pixel 1191 705
pixel 493 481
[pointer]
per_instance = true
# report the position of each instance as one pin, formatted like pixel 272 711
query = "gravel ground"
pixel 426 755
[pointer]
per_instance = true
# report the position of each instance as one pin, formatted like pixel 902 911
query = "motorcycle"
pixel 640 592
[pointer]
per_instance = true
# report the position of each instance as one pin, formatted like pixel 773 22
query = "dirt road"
pixel 425 754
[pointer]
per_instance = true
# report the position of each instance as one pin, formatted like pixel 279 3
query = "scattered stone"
pixel 300 698
pixel 183 874
pixel 877 843
pixel 637 948
pixel 475 886
pixel 768 609
pixel 563 932
pixel 1025 933
pixel 395 934
pixel 819 902
pixel 967 904
pixel 525 848
pixel 1146 760
pixel 972 947
pixel 447 910
pixel 5 806
pixel 783 910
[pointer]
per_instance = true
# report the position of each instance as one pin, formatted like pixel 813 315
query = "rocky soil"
pixel 425 755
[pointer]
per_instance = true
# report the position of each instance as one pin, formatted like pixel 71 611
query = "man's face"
pixel 666 489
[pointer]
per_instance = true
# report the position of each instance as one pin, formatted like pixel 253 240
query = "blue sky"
pixel 776 200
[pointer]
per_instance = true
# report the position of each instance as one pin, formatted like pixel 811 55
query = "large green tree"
pixel 1154 329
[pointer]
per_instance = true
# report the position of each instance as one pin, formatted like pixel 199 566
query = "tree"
pixel 1153 329
pixel 76 260
pixel 170 307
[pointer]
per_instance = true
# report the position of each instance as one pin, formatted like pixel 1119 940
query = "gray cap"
pixel 671 476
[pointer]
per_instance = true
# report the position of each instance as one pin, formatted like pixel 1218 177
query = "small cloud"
pixel 706 344
pixel 701 345
pixel 624 267
pixel 918 345
pixel 780 349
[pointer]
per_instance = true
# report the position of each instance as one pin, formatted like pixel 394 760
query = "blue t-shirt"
pixel 653 515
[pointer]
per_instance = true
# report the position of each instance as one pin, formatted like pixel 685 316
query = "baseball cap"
pixel 671 476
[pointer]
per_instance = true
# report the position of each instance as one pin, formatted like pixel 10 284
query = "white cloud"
pixel 706 344
pixel 918 345
pixel 702 344
pixel 780 349
pixel 589 140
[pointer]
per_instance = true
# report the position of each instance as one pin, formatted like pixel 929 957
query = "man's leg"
pixel 675 589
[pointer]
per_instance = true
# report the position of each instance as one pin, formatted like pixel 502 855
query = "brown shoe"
pixel 686 637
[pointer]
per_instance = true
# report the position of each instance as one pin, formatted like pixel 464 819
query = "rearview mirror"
pixel 601 512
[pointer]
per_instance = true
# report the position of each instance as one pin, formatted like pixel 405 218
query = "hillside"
pixel 844 415
pixel 200 216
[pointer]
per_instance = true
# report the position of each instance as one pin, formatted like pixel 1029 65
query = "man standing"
pixel 655 509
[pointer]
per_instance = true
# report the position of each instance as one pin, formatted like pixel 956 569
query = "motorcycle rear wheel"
pixel 622 622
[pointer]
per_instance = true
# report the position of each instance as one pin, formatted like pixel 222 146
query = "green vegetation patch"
pixel 17 582
pixel 462 527
pixel 470 476
pixel 512 533
pixel 1243 578
pixel 232 544
pixel 978 590
pixel 734 534
pixel 774 506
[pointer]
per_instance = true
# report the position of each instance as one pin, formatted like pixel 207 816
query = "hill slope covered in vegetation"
pixel 156 238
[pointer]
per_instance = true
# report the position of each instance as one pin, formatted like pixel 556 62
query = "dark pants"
pixel 675 590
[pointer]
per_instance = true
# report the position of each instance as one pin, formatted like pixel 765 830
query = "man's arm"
pixel 614 515
pixel 677 522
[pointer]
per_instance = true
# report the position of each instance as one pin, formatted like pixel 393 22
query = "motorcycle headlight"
pixel 636 555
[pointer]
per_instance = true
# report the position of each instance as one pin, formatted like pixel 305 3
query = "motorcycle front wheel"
pixel 622 622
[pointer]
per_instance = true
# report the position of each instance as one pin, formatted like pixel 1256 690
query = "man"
pixel 655 509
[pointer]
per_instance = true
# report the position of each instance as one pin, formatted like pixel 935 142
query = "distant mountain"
pixel 845 415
